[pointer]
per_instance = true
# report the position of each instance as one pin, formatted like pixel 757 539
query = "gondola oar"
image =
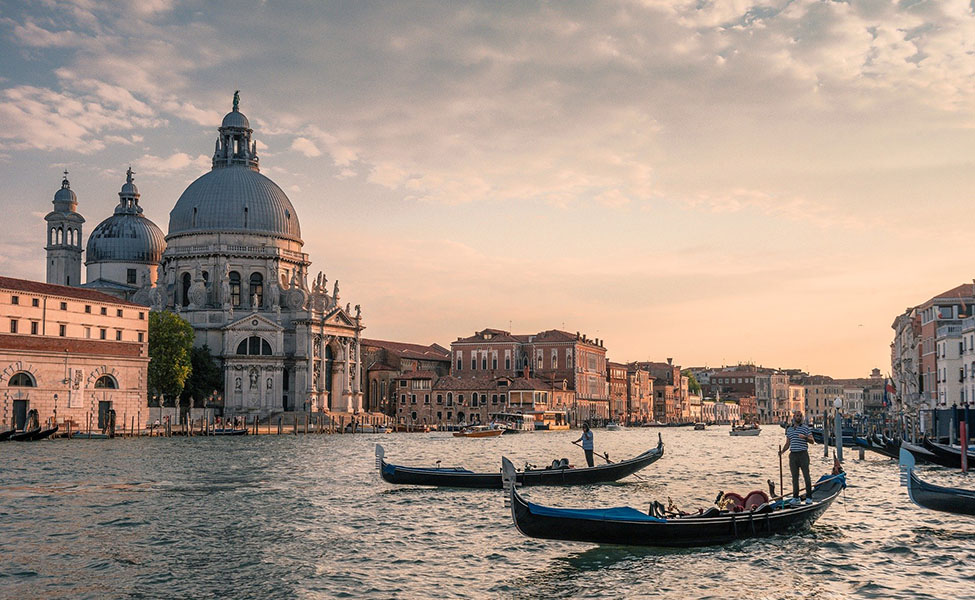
pixel 605 456
pixel 781 479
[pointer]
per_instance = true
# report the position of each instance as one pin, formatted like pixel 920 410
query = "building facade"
pixel 74 355
pixel 232 265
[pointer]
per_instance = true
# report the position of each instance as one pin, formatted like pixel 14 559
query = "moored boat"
pixel 946 456
pixel 613 426
pixel 700 426
pixel 480 431
pixel 630 526
pixel 934 497
pixel 563 474
pixel 229 431
pixel 6 434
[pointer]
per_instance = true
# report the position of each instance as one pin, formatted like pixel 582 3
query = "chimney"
pixel 670 361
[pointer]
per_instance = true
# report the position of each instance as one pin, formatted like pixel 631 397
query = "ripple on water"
pixel 308 517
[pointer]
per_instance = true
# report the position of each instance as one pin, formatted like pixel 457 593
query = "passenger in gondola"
pixel 586 440
pixel 798 436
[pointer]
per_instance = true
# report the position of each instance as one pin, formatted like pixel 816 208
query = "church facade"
pixel 232 264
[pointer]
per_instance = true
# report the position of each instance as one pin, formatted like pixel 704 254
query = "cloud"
pixel 176 162
pixel 306 147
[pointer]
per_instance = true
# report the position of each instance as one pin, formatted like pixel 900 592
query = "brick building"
pixel 384 361
pixel 72 354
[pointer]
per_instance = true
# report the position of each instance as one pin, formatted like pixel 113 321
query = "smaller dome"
pixel 127 236
pixel 65 199
pixel 235 118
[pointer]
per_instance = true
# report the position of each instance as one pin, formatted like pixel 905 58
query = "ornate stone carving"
pixel 198 290
pixel 273 290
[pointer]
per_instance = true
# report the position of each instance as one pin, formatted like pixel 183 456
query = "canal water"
pixel 308 517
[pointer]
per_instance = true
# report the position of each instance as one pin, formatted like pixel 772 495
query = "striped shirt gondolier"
pixel 796 435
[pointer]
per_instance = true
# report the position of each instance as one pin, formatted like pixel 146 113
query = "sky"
pixel 715 182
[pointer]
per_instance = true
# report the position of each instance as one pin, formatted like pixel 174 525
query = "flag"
pixel 889 390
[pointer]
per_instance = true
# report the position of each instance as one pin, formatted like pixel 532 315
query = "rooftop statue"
pixel 236 99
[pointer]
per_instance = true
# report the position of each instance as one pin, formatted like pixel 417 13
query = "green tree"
pixel 170 345
pixel 205 377
pixel 692 385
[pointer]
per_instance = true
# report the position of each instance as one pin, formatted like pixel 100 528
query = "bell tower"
pixel 64 237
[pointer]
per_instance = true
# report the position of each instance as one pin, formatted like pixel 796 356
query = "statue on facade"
pixel 358 312
pixel 253 376
pixel 254 302
pixel 237 384
pixel 225 288
pixel 197 293
pixel 236 100
pixel 269 383
pixel 335 293
pixel 273 290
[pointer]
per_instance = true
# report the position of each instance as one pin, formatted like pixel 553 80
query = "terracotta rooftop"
pixel 415 351
pixel 41 343
pixel 418 375
pixel 64 291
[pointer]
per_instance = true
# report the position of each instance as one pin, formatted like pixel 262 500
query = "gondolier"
pixel 798 437
pixel 586 440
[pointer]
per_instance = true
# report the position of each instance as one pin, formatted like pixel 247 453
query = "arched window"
pixel 187 282
pixel 254 346
pixel 106 382
pixel 235 288
pixel 257 287
pixel 22 380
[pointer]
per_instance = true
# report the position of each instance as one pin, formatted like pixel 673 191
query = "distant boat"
pixel 94 435
pixel 700 426
pixel 480 431
pixel 229 431
pixel 743 430
pixel 934 497
pixel 613 426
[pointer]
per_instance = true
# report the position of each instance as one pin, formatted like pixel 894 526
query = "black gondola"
pixel 35 434
pixel 6 434
pixel 946 456
pixel 934 497
pixel 632 527
pixel 877 444
pixel 563 475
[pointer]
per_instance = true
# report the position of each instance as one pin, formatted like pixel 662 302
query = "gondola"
pixel 946 456
pixel 872 443
pixel 562 475
pixel 632 527
pixel 44 433
pixel 6 434
pixel 919 453
pixel 25 435
pixel 934 497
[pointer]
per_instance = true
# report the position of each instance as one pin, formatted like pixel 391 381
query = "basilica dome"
pixel 127 236
pixel 234 196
